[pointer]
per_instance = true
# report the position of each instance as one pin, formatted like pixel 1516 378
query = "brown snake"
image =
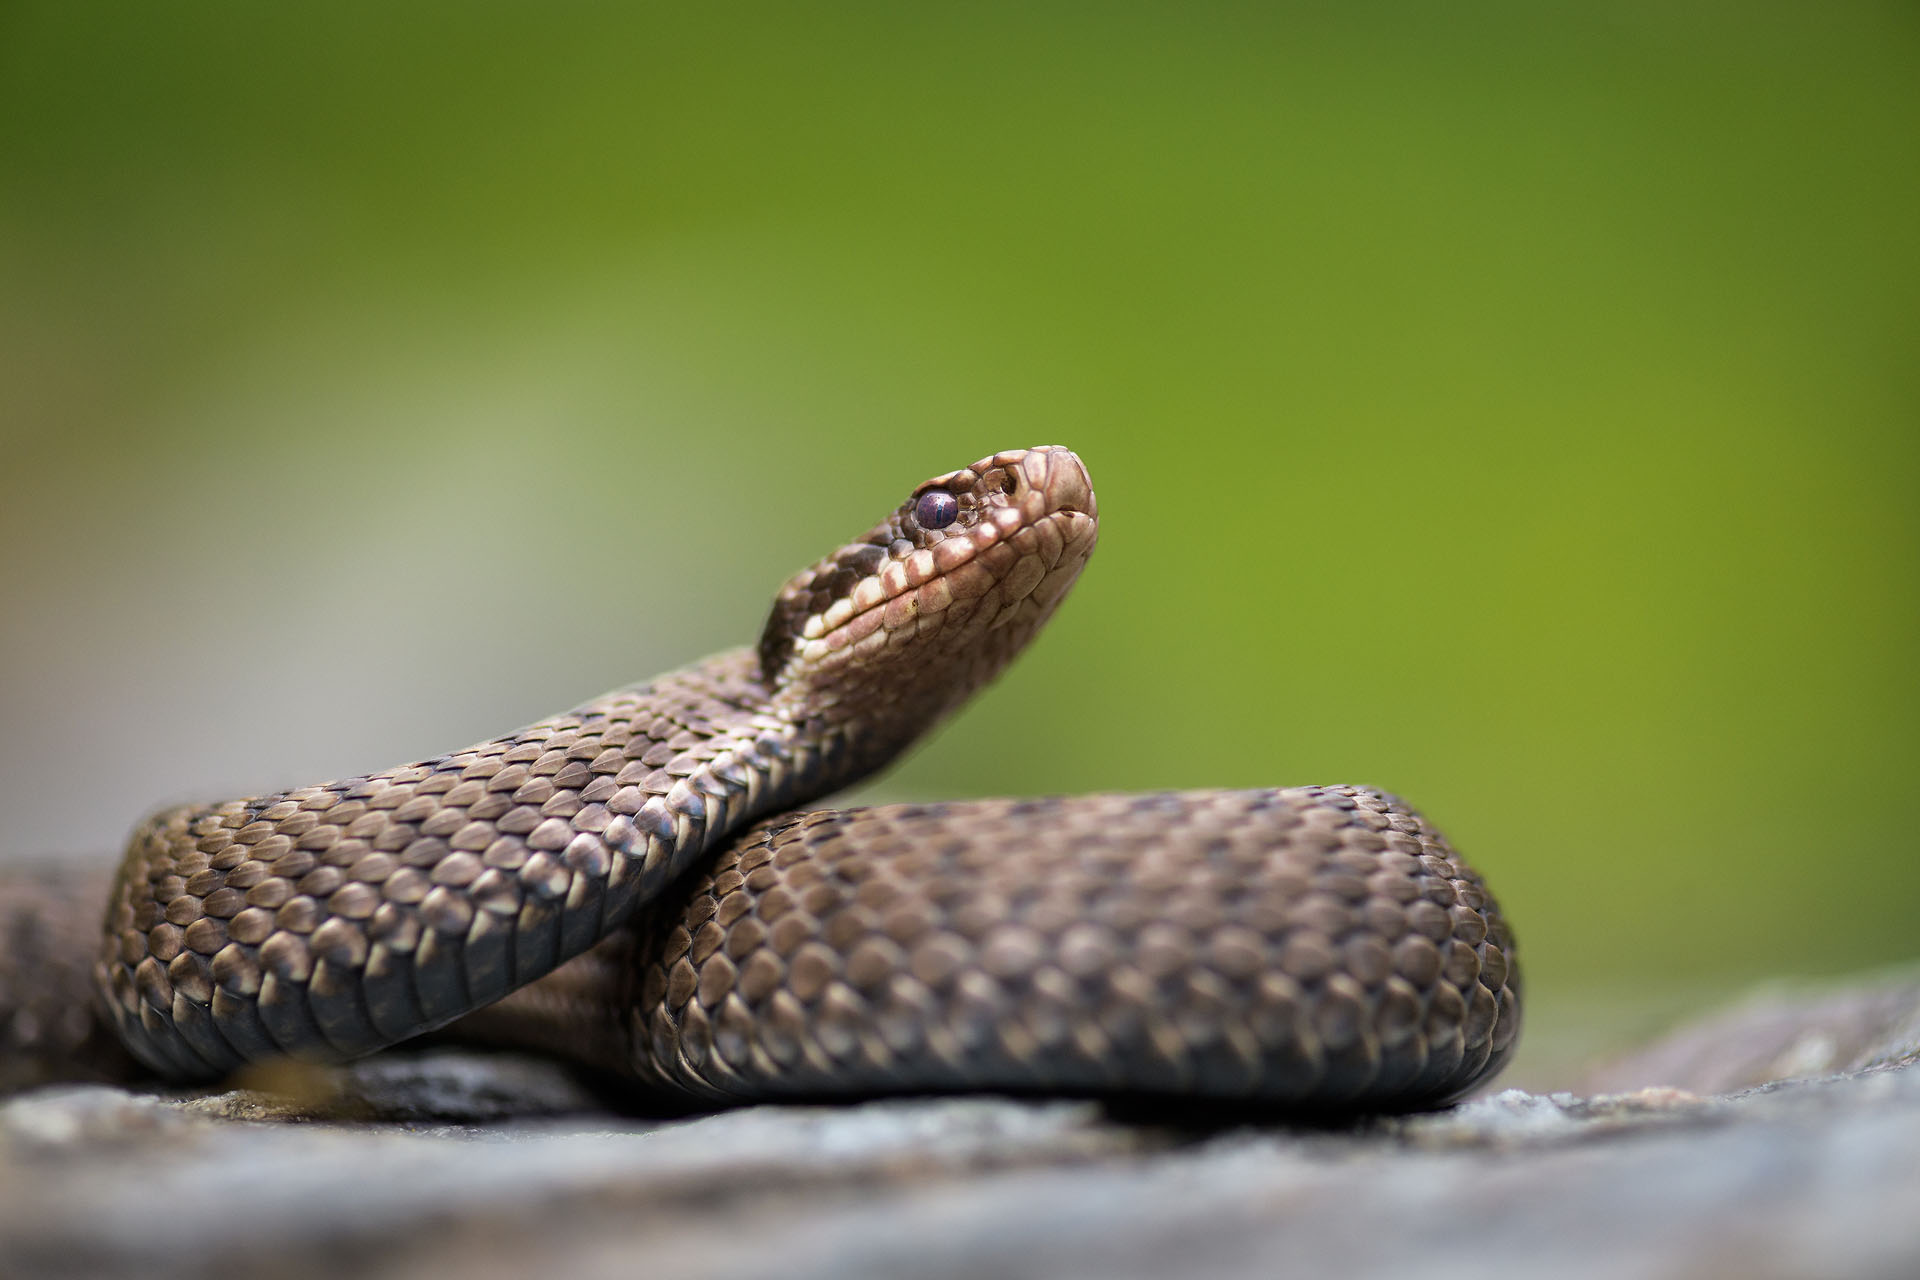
pixel 595 885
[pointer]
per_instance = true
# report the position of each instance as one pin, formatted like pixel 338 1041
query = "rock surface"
pixel 454 1163
pixel 1784 1033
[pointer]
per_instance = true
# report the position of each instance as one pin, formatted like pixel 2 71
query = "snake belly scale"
pixel 629 883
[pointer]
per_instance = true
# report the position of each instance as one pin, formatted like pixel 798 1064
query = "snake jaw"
pixel 917 618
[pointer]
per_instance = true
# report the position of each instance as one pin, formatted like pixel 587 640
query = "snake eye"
pixel 936 509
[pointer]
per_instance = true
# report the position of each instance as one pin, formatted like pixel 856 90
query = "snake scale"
pixel 631 885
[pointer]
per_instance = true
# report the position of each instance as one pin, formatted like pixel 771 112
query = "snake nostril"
pixel 1010 483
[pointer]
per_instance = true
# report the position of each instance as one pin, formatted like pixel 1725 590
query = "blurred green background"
pixel 1515 405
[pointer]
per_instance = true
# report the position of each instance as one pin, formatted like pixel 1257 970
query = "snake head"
pixel 875 643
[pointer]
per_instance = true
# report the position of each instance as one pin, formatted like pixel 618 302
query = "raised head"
pixel 877 642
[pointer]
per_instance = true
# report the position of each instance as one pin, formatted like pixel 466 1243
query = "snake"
pixel 636 886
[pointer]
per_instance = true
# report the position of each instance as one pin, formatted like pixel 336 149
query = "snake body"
pixel 609 884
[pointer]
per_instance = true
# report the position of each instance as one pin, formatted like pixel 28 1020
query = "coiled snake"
pixel 607 885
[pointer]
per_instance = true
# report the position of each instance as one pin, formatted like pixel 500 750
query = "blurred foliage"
pixel 1512 404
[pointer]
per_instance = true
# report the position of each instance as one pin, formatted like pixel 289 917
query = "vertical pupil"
pixel 936 509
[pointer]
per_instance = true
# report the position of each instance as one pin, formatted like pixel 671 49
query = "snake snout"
pixel 1058 479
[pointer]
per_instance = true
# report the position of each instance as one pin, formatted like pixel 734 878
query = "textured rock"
pixel 1811 1177
pixel 1788 1033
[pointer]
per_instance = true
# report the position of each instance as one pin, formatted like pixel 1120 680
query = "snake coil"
pixel 629 883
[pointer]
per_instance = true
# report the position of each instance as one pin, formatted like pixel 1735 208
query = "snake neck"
pixel 725 752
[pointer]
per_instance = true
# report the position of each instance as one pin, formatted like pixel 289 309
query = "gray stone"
pixel 481 1166
pixel 1797 1032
